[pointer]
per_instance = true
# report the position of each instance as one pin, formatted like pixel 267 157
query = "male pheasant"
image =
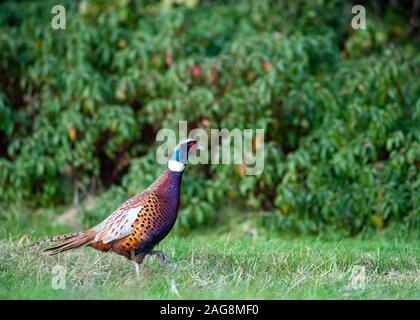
pixel 141 222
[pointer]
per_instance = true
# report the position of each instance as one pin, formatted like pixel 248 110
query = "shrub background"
pixel 80 108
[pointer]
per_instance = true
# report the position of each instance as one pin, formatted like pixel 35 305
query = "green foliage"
pixel 79 108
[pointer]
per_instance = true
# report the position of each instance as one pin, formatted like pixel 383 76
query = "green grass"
pixel 224 267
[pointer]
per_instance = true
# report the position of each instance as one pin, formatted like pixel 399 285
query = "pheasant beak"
pixel 195 147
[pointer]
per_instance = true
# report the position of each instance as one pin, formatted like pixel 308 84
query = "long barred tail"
pixel 54 239
pixel 67 241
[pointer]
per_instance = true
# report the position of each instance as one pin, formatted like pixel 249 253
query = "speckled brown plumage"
pixel 155 211
pixel 154 220
pixel 138 225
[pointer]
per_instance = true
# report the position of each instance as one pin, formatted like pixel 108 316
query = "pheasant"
pixel 140 223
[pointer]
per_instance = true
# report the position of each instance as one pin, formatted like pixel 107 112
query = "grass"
pixel 225 267
pixel 222 263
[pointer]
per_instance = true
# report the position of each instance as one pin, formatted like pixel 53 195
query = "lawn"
pixel 223 267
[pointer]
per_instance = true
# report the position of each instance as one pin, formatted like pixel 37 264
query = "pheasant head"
pixel 182 152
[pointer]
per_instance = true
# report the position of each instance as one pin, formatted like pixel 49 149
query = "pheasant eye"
pixel 191 143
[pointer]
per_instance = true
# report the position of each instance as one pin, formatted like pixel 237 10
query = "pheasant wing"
pixel 120 223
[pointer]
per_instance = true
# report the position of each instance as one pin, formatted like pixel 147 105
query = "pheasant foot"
pixel 161 256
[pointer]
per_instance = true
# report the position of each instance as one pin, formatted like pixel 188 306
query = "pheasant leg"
pixel 136 264
pixel 161 256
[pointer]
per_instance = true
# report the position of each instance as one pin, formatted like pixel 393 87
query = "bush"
pixel 80 108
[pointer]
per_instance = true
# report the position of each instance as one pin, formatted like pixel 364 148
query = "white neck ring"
pixel 176 166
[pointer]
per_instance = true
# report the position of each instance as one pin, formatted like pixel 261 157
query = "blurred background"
pixel 80 109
